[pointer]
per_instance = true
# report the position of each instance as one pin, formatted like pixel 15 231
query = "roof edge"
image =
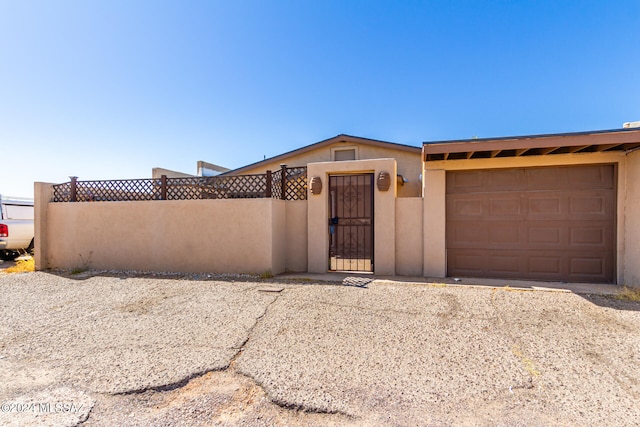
pixel 338 138
pixel 528 145
pixel 534 136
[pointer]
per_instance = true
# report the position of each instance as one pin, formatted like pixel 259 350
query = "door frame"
pixel 385 213
pixel 366 241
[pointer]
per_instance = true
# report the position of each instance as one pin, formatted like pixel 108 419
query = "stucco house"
pixel 558 207
pixel 349 148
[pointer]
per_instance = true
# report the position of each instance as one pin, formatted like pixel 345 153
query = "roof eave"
pixel 622 139
pixel 333 140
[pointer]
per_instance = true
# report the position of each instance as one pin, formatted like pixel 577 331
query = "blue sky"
pixel 110 89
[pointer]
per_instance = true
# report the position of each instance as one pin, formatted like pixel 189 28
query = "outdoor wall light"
pixel 384 181
pixel 315 185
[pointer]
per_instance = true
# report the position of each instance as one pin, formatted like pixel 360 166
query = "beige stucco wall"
pixel 42 193
pixel 409 236
pixel 296 236
pixel 434 201
pixel 278 236
pixel 632 221
pixel 408 164
pixel 218 236
pixel 433 230
pixel 384 208
pixel 256 235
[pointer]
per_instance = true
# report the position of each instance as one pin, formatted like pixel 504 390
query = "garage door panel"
pixel 533 206
pixel 477 181
pixel 504 234
pixel 545 178
pixel 503 179
pixel 560 235
pixel 536 265
pixel 552 223
pixel 549 205
pixel 505 206
pixel 594 205
pixel 543 235
pixel 591 177
pixel 593 266
pixel 545 265
pixel 471 263
pixel 504 263
pixel 466 208
pixel 588 235
pixel 466 235
pixel 585 177
pixel 465 181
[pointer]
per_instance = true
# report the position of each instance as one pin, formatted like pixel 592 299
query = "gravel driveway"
pixel 165 351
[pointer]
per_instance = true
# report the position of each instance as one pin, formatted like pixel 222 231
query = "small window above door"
pixel 344 154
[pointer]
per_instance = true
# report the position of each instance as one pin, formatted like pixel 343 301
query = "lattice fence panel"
pixel 62 192
pixel 276 184
pixel 218 187
pixel 296 184
pixel 118 190
pixel 185 188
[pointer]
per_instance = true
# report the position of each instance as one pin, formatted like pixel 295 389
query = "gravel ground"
pixel 446 355
pixel 126 350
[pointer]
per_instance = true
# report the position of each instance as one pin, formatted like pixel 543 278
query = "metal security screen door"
pixel 351 222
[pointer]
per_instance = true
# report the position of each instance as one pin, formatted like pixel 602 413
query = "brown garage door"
pixel 548 223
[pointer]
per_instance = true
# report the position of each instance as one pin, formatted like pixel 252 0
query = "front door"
pixel 351 222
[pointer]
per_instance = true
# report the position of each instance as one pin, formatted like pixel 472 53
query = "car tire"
pixel 9 255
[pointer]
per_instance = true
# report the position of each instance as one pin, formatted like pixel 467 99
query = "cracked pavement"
pixel 157 351
pixel 118 336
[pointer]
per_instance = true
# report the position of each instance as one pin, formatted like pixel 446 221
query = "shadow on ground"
pixel 610 301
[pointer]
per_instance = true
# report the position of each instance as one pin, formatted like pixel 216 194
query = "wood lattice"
pixel 120 190
pixel 196 188
pixel 296 184
pixel 217 187
pixel 62 192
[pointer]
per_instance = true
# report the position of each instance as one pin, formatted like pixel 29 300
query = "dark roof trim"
pixel 515 146
pixel 339 138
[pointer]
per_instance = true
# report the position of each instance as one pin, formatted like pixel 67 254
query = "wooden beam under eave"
pixel 446 156
pixel 521 151
pixel 469 154
pixel 577 148
pixel 604 147
pixel 540 142
pixel 495 153
pixel 548 150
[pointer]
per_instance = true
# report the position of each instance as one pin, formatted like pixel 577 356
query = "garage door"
pixel 548 223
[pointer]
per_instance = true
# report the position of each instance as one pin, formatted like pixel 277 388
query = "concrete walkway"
pixel 576 288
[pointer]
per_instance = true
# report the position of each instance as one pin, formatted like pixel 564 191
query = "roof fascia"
pixel 532 142
pixel 314 146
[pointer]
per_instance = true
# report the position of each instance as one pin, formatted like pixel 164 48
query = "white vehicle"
pixel 16 226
